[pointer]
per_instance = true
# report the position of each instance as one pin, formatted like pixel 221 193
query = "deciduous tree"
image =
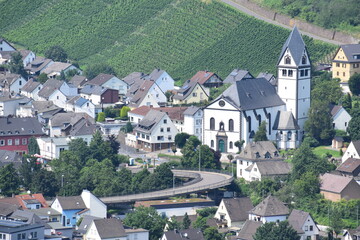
pixel 260 134
pixel 354 84
pixel 276 231
pixel 33 146
pixel 56 53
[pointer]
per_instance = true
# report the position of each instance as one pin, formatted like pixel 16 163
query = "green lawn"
pixel 322 150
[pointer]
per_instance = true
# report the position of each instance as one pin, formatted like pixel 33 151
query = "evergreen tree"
pixel 9 180
pixel 347 102
pixel 354 84
pixel 354 127
pixel 186 222
pixel 42 78
pixel 16 64
pixel 261 135
pixel 124 111
pixel 276 231
pixel 33 146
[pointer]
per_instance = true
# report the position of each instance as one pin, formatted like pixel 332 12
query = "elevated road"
pixel 201 181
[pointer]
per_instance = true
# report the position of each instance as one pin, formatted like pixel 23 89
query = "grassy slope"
pixel 181 36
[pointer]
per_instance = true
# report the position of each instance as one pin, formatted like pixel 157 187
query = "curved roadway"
pixel 202 181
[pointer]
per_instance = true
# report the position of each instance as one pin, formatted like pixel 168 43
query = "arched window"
pixel 231 125
pixel 212 123
pixel 289 135
pixel 231 145
pixel 287 60
pixel 212 143
pixel 303 60
pixel 249 122
pixel 221 126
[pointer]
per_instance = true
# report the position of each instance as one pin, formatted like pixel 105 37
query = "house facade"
pixel 270 209
pixel 335 187
pixel 79 104
pixel 110 81
pixel 51 147
pixel 193 121
pixel 162 79
pixel 11 84
pixel 15 230
pixel 9 105
pixel 31 89
pixel 6 46
pixel 207 79
pixel 191 92
pixel 353 151
pixel 346 62
pixel 304 225
pixel 340 117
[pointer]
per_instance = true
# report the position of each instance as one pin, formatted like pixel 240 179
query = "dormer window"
pixel 267 155
pixel 287 60
pixel 303 60
pixel 257 155
pixel 276 153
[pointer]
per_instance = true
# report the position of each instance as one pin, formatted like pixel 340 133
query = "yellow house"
pixel 191 92
pixel 346 62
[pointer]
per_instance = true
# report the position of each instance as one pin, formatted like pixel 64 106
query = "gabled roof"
pixel 49 87
pixel 156 73
pixel 109 228
pixel 3 40
pixel 334 109
pixel 20 126
pixel 71 203
pixel 44 106
pixel 133 77
pixel 38 64
pixel 335 183
pixel 83 127
pixel 143 110
pixel 191 110
pixel 350 50
pixel 56 67
pixel 78 80
pixel 270 206
pixel 101 79
pixel 249 94
pixel 85 223
pixel 7 157
pixel 25 216
pixel 237 75
pixel 7 208
pixel 238 208
pixel 151 119
pixel 202 77
pixel 296 46
pixel 262 150
pixel 24 53
pixel 36 196
pixel 248 230
pixel 93 90
pixel 350 165
pixel 10 78
pixel 356 145
pixel 61 119
pixel 285 121
pixel 30 86
pixel 271 168
pixel 297 219
pixel 189 234
pixel 77 101
pixel 268 76
pixel 141 93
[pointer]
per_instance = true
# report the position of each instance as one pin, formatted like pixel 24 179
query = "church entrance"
pixel 221 145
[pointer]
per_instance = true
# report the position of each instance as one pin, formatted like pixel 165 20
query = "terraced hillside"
pixel 181 36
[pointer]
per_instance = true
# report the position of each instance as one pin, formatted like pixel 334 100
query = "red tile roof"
pixel 202 76
pixel 37 196
pixel 174 113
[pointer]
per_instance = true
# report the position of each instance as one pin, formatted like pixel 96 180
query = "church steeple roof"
pixel 296 46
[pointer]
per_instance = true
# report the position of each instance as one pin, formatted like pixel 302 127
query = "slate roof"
pixel 202 76
pixel 133 77
pixel 56 67
pixel 109 228
pixel 190 234
pixel 259 150
pixel 248 230
pixel 350 50
pixel 238 208
pixel 83 127
pixel 93 89
pixel 187 89
pixel 296 46
pixel 7 157
pixel 49 87
pixel 25 216
pixel 44 106
pixel 271 168
pixel 297 220
pixel 334 109
pixel 85 223
pixel 285 121
pixel 38 64
pixel 60 119
pixel 24 53
pixel 334 183
pixel 78 81
pixel 30 86
pixel 71 203
pixel 45 211
pixel 9 77
pixel 351 165
pixel 101 79
pixel 156 73
pixel 191 110
pixel 356 145
pixel 7 208
pixel 6 54
pixel 237 75
pixel 143 110
pixel 270 206
pixel 151 119
pixel 140 94
pixel 20 126
pixel 249 94
pixel 268 76
pixel 77 101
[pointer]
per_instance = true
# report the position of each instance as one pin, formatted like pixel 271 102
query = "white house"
pixel 193 121
pixel 6 46
pixel 31 89
pixel 352 151
pixel 304 225
pixel 11 83
pixel 81 105
pixel 61 121
pixel 8 105
pixel 110 81
pixel 266 169
pixel 340 117
pixel 55 69
pixel 233 212
pixel 269 210
pixel 51 147
pixel 162 79
pixel 145 93
pixel 27 56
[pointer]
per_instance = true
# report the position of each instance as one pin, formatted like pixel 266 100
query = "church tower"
pixel 294 76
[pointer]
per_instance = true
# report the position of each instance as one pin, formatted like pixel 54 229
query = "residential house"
pixel 6 208
pixel 100 96
pixel 178 207
pixel 334 187
pixel 32 201
pixel 190 234
pixel 233 212
pixel 134 77
pixel 193 121
pixel 237 75
pixel 5 56
pixel 38 65
pixel 9 104
pixel 155 131
pixel 145 92
pixel 83 227
pixel 15 230
pixel 268 76
pixel 340 117
pixel 303 224
pixel 79 104
pixel 270 209
pixel 162 79
pixel 353 151
pixel 43 110
pixel 345 63
pixel 10 157
pixel 27 56
pixel 25 216
pixel 111 127
pixel 254 153
pixel 6 46
pixel 110 81
pixel 47 214
pixel 352 234
pixel 31 89
pixel 78 81
pixel 61 121
pixel 113 229
pixel 267 169
pixel 248 230
pixel 11 84
pixel 72 208
pixel 16 132
pixel 191 92
pixel 207 79
pixel 51 147
pixel 350 168
pixel 55 69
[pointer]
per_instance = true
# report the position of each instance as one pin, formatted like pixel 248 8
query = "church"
pixel 238 112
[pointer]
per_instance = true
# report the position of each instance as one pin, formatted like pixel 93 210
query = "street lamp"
pixel 173 180
pixel 199 158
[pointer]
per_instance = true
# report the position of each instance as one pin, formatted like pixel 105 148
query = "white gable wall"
pixel 97 207
pixel 4 46
pixel 161 125
pixel 165 82
pixel 29 58
pixel 117 84
pixel 17 85
pixel 157 93
pixel 350 153
pixel 222 211
pixel 341 120
pixel 149 100
pixel 58 98
pixel 309 223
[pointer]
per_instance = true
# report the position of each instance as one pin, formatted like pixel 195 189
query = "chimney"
pixel 8 119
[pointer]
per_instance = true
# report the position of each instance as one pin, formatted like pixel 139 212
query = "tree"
pixel 45 182
pixel 33 146
pixel 80 149
pixel 16 64
pixel 9 180
pixel 308 185
pixel 56 53
pixel 354 84
pixel 61 76
pixel 164 174
pixel 346 102
pixel 147 218
pixel 128 128
pixel 101 117
pixel 261 135
pixel 212 233
pixel 189 152
pixel 27 170
pixel 114 144
pixel 173 149
pixel 180 139
pixel 239 144
pixel 94 70
pixel 230 157
pixel 173 224
pixel 42 78
pixel 168 95
pixel 327 91
pixel 99 149
pixel 186 222
pixel 276 231
pixel 336 222
pixel 124 111
pixel 354 128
